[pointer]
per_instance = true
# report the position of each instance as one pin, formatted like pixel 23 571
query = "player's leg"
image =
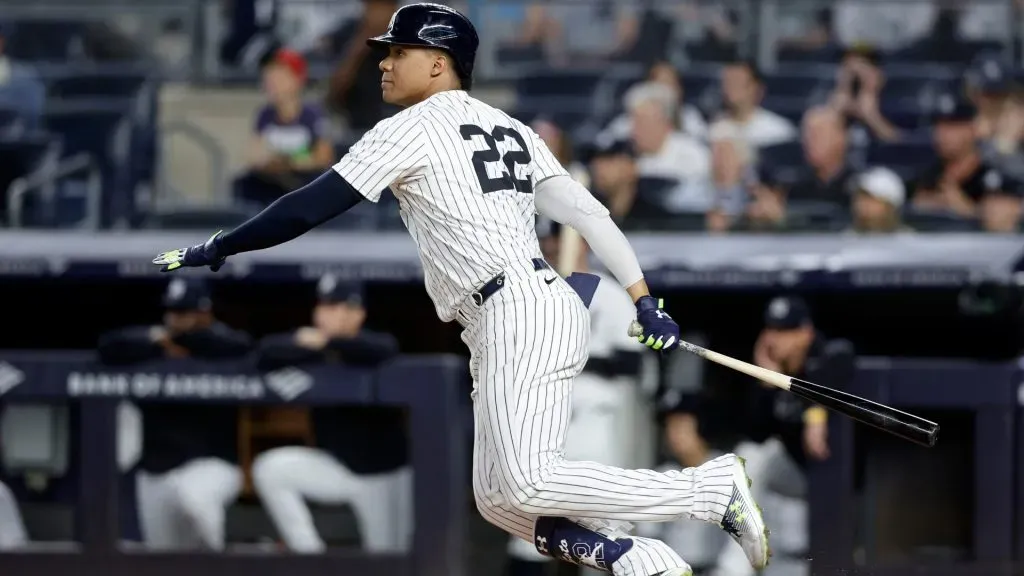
pixel 383 512
pixel 589 542
pixel 202 490
pixel 12 528
pixel 535 350
pixel 285 478
pixel 159 517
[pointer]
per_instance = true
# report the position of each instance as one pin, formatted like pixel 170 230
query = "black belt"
pixel 498 282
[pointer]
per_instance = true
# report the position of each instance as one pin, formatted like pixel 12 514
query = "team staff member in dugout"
pixel 362 453
pixel 188 472
pixel 786 432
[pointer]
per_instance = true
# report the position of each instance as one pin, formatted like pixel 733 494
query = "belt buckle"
pixel 478 298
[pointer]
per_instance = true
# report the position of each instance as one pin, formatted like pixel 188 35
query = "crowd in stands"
pixel 866 118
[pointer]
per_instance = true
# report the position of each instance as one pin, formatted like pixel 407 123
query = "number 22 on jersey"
pixel 507 179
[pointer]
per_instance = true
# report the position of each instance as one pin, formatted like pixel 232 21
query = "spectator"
pixel 878 196
pixel 559 143
pixel 21 90
pixel 289 144
pixel 859 85
pixel 988 83
pixel 1000 207
pixel 582 32
pixel 732 162
pixel 353 89
pixel 742 93
pixel 188 473
pixel 784 433
pixel 376 480
pixel 663 151
pixel 690 120
pixel 766 210
pixel 614 174
pixel 954 181
pixel 826 175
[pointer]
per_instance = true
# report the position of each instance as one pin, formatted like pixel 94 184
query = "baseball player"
pixel 469 181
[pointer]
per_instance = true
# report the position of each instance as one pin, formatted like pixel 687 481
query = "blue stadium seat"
pixel 939 221
pixel 905 158
pixel 21 157
pixel 42 40
pixel 117 83
pixel 788 155
pixel 810 216
pixel 91 128
pixel 559 83
pixel 796 85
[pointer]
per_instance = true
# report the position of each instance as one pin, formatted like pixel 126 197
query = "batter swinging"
pixel 469 181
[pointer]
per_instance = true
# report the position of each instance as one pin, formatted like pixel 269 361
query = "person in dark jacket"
pixel 786 433
pixel 362 454
pixel 188 472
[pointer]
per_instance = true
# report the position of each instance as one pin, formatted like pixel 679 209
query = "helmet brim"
pixel 385 40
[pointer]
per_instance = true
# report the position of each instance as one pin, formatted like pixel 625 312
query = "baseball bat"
pixel 885 418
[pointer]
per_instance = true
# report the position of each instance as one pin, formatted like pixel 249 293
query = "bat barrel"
pixel 885 418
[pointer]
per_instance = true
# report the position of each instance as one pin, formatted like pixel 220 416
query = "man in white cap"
pixel 877 198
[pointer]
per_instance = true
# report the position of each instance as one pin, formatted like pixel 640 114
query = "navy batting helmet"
pixel 434 26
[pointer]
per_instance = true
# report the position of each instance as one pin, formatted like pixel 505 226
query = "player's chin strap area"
pixel 566 540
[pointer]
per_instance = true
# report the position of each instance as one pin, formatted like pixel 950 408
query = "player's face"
pixel 406 75
pixel 339 319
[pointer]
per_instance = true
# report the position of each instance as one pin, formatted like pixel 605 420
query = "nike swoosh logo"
pixel 548 281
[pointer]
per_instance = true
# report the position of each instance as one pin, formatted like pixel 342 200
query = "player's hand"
pixel 660 331
pixel 205 254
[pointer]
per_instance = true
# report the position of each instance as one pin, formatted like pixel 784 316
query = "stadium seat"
pixel 810 216
pixel 559 83
pixel 905 158
pixel 939 221
pixel 787 155
pixel 118 83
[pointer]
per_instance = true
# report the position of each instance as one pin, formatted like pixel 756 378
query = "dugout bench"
pixel 431 387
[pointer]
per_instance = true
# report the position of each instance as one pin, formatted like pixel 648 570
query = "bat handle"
pixel 635 329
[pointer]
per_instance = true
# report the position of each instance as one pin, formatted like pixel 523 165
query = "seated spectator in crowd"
pixel 615 180
pixel 859 84
pixel 766 209
pixel 21 90
pixel 999 209
pixel 988 82
pixel 376 481
pixel 353 89
pixel 878 196
pixel 559 143
pixel 581 32
pixel 732 176
pixel 954 182
pixel 690 120
pixel 188 473
pixel 289 145
pixel 742 93
pixel 826 175
pixel 663 151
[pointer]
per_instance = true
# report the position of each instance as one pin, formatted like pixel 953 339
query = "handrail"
pixel 209 144
pixel 82 162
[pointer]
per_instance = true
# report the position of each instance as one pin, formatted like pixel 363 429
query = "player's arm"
pixel 389 153
pixel 566 201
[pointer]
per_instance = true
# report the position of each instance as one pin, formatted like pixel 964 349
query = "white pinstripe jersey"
pixel 464 174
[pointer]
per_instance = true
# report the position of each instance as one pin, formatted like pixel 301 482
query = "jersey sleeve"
pixel 391 153
pixel 545 165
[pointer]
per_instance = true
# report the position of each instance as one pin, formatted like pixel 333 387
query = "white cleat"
pixel 677 572
pixel 743 520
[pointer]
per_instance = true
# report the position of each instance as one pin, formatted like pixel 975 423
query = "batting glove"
pixel 660 331
pixel 205 254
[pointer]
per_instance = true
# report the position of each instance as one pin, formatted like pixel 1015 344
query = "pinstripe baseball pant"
pixel 528 342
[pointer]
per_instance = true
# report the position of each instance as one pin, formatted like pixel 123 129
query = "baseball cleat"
pixel 743 519
pixel 677 572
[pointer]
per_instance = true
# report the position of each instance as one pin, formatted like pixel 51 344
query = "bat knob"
pixel 635 329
